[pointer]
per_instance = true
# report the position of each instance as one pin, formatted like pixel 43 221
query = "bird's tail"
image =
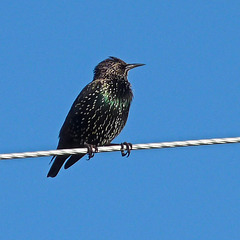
pixel 73 159
pixel 56 166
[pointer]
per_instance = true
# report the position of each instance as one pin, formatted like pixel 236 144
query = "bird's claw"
pixel 92 149
pixel 128 150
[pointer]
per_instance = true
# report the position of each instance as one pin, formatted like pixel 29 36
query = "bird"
pixel 98 114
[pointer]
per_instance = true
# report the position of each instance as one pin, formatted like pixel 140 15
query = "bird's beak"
pixel 133 65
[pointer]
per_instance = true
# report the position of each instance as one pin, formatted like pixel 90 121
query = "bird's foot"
pixel 92 149
pixel 128 150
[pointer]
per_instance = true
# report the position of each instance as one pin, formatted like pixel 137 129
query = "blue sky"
pixel 189 89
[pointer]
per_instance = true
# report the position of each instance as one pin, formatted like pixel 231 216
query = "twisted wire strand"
pixel 73 151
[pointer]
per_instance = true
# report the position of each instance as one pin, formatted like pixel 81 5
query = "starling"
pixel 98 114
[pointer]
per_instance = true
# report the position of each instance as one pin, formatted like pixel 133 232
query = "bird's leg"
pixel 92 149
pixel 129 148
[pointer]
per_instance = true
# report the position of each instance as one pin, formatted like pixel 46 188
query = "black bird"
pixel 98 114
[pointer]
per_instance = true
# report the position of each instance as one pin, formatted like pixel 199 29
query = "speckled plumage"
pixel 99 113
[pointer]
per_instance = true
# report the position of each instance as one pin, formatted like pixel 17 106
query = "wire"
pixel 118 148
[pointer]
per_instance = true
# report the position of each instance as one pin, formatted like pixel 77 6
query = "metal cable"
pixel 118 148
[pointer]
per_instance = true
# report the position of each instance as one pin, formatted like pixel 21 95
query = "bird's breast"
pixel 117 94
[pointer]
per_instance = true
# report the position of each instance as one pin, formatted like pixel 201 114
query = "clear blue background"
pixel 189 89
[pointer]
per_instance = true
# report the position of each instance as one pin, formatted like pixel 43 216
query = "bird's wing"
pixel 82 109
pixel 70 134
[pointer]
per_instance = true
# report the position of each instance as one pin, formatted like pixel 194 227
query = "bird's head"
pixel 113 67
